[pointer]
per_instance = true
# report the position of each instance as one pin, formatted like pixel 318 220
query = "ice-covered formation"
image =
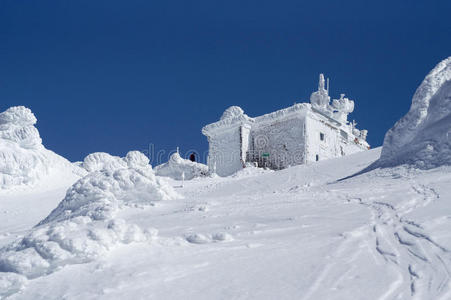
pixel 320 99
pixel 99 161
pixel 423 136
pixel 342 107
pixel 17 125
pixel 23 158
pixel 232 112
pixel 100 193
pixel 176 166
pixel 84 226
pixel 136 159
pixel 302 133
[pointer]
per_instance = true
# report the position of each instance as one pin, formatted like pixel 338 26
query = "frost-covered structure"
pixel 23 158
pixel 423 136
pixel 177 167
pixel 302 133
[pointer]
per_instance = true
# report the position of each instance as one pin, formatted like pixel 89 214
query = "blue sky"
pixel 115 76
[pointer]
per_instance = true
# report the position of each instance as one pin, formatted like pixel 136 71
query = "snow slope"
pixel 422 136
pixel 299 233
pixel 24 161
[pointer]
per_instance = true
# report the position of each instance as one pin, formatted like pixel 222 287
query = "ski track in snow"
pixel 404 244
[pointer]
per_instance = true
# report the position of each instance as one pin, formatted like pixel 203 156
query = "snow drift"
pixel 422 137
pixel 176 166
pixel 23 158
pixel 84 225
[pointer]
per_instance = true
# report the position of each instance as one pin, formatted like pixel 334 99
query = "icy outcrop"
pixel 17 125
pixel 23 158
pixel 99 161
pixel 136 159
pixel 176 166
pixel 84 226
pixel 423 136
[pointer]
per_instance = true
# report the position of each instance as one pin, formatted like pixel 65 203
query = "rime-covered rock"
pixel 23 158
pixel 99 161
pixel 423 136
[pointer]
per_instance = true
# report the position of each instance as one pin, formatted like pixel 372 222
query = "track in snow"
pixel 421 262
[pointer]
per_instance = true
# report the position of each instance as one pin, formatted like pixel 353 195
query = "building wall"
pixel 318 149
pixel 336 143
pixel 282 140
pixel 278 140
pixel 224 151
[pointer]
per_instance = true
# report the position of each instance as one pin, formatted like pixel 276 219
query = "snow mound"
pixel 251 170
pixel 176 166
pixel 99 194
pixel 199 238
pixel 421 137
pixel 23 158
pixel 84 226
pixel 99 161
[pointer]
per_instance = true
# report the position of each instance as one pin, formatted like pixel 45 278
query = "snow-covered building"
pixel 302 133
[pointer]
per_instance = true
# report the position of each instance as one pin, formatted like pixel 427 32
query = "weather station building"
pixel 300 134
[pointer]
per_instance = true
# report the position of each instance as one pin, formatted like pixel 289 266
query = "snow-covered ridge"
pixel 23 158
pixel 421 137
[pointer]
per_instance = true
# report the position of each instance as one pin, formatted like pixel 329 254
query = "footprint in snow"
pixel 198 238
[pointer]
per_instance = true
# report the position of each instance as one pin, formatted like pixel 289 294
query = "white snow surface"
pixel 84 225
pixel 298 233
pixel 423 136
pixel 176 166
pixel 24 161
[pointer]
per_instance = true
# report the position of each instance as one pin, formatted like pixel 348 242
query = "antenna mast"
pixel 327 85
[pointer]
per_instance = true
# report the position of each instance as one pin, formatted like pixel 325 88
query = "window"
pixel 344 135
pixel 321 136
pixel 317 157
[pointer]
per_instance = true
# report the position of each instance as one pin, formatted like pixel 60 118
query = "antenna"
pixel 328 85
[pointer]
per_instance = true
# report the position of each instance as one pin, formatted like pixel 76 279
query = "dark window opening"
pixel 317 157
pixel 321 136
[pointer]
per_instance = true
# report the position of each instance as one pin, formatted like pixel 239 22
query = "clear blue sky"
pixel 117 75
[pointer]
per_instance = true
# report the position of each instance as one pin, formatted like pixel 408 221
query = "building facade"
pixel 300 134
